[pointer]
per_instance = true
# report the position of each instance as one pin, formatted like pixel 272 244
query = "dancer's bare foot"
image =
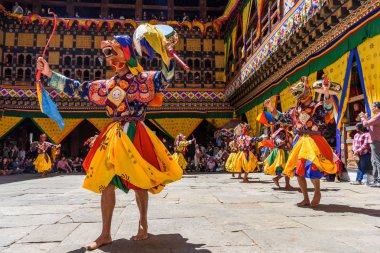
pixel 275 181
pixel 101 241
pixel 316 200
pixel 303 203
pixel 245 180
pixel 142 233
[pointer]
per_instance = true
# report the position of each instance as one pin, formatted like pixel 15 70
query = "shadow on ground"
pixel 334 208
pixel 24 177
pixel 156 243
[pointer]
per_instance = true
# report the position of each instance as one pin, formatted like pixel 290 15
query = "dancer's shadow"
pixel 173 243
pixel 257 181
pixel 25 177
pixel 297 189
pixel 334 208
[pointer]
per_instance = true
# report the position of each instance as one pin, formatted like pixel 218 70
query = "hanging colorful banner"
pixel 259 8
pixel 293 21
pixel 231 6
pixel 245 18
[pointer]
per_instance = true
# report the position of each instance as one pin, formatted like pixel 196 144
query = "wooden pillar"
pixel 203 9
pixel 138 9
pixel 269 17
pixel 170 9
pixel 281 10
pixel 70 8
pixel 36 7
pixel 104 9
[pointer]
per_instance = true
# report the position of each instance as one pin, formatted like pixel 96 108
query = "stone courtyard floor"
pixel 201 213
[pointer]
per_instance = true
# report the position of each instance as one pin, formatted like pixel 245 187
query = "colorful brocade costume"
pixel 245 160
pixel 230 163
pixel 43 161
pixel 179 150
pixel 126 153
pixel 276 161
pixel 311 155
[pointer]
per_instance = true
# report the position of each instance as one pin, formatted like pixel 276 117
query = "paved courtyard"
pixel 201 213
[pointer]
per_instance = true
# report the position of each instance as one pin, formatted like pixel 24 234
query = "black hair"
pixel 376 104
pixel 360 127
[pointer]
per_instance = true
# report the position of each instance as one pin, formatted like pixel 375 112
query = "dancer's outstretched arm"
pixel 74 88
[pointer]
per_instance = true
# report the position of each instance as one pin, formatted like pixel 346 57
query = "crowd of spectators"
pixel 17 159
pixel 204 158
pixel 17 9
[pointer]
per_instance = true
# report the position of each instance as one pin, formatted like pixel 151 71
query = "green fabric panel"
pixel 272 156
pixel 116 180
pixel 367 31
pixel 131 131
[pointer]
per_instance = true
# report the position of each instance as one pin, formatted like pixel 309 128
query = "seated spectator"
pixel 77 164
pixel 77 15
pixel 197 157
pixel 17 9
pixel 43 13
pixel 27 12
pixel 190 165
pixel 6 151
pixel 63 166
pixel 16 167
pixel 185 17
pixel 162 16
pixel 14 152
pixel 5 167
pixel 211 164
pixel 29 166
pixel 21 154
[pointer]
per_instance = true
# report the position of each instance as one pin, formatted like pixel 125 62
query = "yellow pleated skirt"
pixel 245 162
pixel 230 163
pixel 275 162
pixel 42 163
pixel 124 151
pixel 180 159
pixel 311 157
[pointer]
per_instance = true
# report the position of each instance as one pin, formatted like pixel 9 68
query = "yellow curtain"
pixel 174 126
pixel 287 100
pixel 51 128
pixel 100 123
pixel 229 9
pixel 312 78
pixel 369 56
pixel 7 123
pixel 218 122
pixel 336 72
pixel 252 118
pixel 246 16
